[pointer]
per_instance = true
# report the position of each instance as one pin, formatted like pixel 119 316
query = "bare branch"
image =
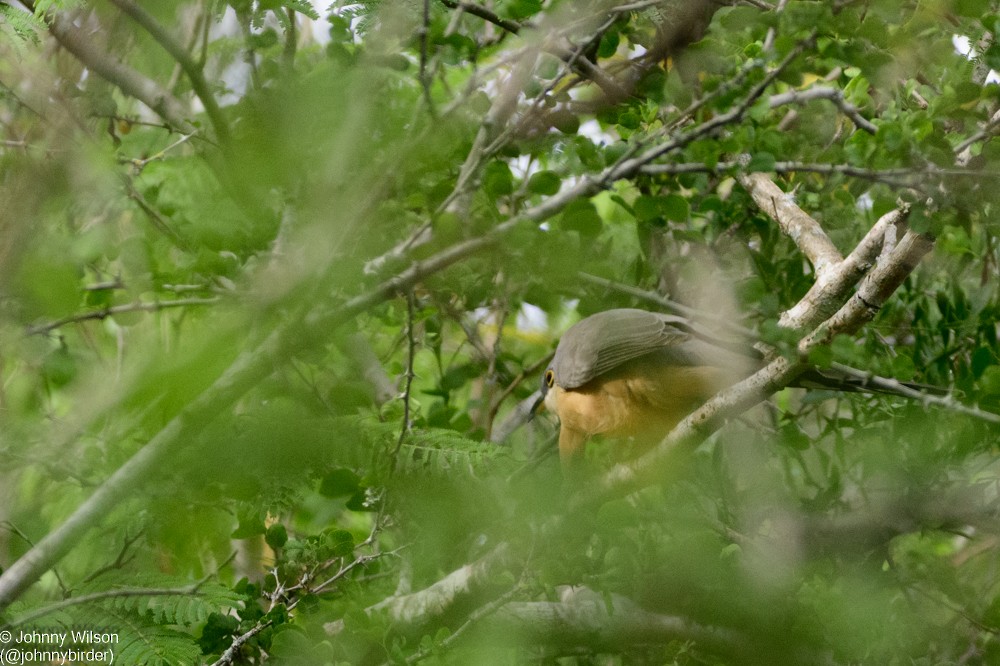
pixel 832 286
pixel 795 222
pixel 411 350
pixel 873 291
pixel 889 384
pixel 467 582
pixel 835 95
pixel 112 310
pixel 190 67
pixel 229 656
pixel 894 177
pixel 488 15
pixel 130 81
pixel 583 617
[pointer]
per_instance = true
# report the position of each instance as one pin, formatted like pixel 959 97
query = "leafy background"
pixel 309 296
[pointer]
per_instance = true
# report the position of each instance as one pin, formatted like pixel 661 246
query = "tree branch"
pixel 831 287
pixel 584 618
pixel 894 177
pixel 484 13
pixel 229 656
pixel 190 67
pixel 469 581
pixel 873 291
pixel 131 82
pixel 835 95
pixel 899 388
pixel 112 310
pixel 795 222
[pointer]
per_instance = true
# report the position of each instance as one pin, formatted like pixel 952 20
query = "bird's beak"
pixel 537 406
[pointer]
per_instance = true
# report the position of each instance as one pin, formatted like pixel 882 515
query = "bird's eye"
pixel 550 378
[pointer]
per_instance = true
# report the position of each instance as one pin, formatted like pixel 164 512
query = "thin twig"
pixel 834 95
pixel 103 313
pixel 424 35
pixel 893 177
pixel 159 222
pixel 488 15
pixel 411 346
pixel 229 655
pixel 140 164
pixel 895 386
pixel 119 561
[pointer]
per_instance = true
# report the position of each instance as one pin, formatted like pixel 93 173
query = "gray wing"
pixel 605 340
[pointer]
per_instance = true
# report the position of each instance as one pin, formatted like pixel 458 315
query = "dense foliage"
pixel 278 280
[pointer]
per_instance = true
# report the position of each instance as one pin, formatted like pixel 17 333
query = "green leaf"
pixel 992 56
pixel 672 207
pixel 903 367
pixel 675 207
pixel 989 382
pixel 522 9
pixel 646 208
pixel 565 121
pixel 339 483
pixel 761 162
pixel 217 633
pixel 59 367
pixel 982 359
pixel 582 217
pixel 340 542
pixel 251 524
pixel 276 536
pixel 544 182
pixel 498 179
pixel 629 120
pixel 609 44
pixel 971 8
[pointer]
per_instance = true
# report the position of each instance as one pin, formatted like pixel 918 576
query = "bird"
pixel 631 373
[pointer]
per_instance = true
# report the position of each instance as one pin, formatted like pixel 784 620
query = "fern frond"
pixel 446 452
pixel 144 644
pixel 24 25
pixel 154 617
